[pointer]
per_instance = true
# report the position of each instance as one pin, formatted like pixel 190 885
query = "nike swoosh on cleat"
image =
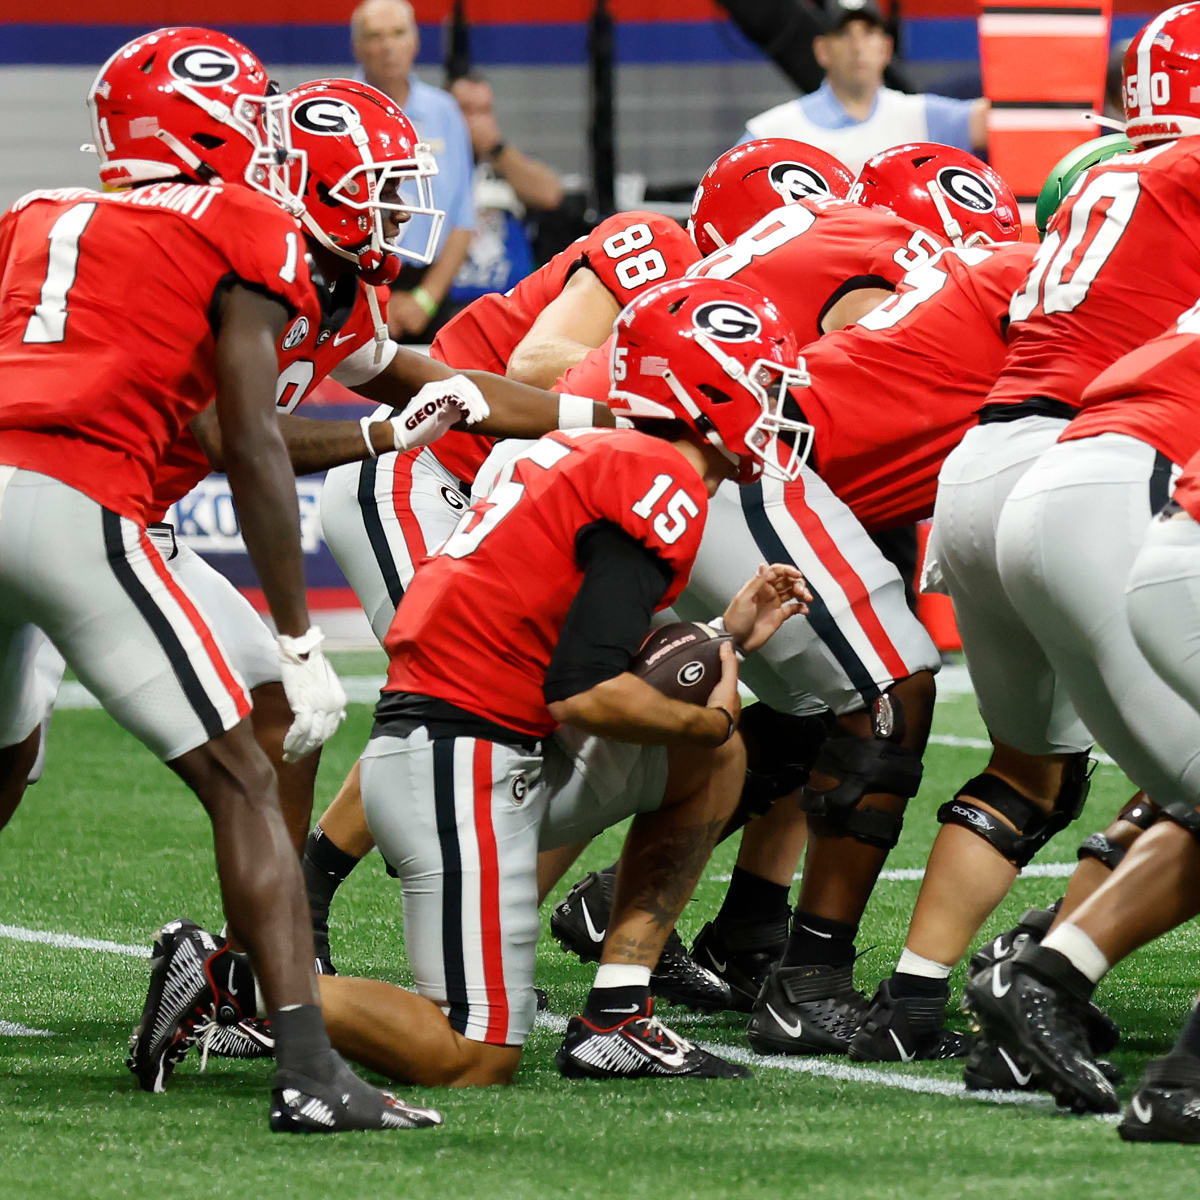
pixel 716 962
pixel 998 991
pixel 1022 1077
pixel 596 936
pixel 790 1030
pixel 631 1009
pixel 669 1058
pixel 905 1056
pixel 816 932
pixel 1142 1110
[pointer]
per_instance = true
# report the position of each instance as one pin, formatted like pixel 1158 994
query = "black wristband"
pixel 732 723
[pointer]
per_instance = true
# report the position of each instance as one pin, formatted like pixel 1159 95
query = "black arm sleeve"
pixel 623 581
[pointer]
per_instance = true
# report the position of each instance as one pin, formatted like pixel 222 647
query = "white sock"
pixel 611 975
pixel 915 964
pixel 1084 955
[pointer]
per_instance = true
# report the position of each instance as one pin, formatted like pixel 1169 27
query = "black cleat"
pixel 807 1010
pixel 992 1068
pixel 1032 927
pixel 906 1028
pixel 180 994
pixel 1166 1105
pixel 742 960
pixel 301 1104
pixel 323 963
pixel 580 921
pixel 1032 1007
pixel 244 1037
pixel 640 1047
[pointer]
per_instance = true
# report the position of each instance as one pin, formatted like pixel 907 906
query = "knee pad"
pixel 1103 849
pixel 799 743
pixel 1185 815
pixel 862 766
pixel 1140 812
pixel 1033 827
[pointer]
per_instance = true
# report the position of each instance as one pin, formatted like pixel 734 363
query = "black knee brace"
pixel 862 766
pixel 1183 814
pixel 1034 828
pixel 1102 848
pixel 795 747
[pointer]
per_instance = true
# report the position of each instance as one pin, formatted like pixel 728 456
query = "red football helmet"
pixel 942 189
pixel 189 102
pixel 718 356
pixel 358 158
pixel 1162 77
pixel 755 178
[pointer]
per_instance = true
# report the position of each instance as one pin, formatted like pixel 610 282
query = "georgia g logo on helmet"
pixel 324 116
pixel 793 180
pixel 966 188
pixel 727 321
pixel 204 66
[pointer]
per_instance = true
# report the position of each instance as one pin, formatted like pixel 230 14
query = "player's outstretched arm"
pixel 575 322
pixel 517 410
pixel 253 453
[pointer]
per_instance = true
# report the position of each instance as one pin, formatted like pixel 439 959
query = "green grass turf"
pixel 108 845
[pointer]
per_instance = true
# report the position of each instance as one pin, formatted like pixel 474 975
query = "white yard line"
pixel 13 1029
pixel 68 941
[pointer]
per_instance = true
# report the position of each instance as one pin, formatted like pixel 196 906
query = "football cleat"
pixel 743 961
pixel 1166 1105
pixel 992 1068
pixel 1032 927
pixel 1025 1006
pixel 807 1010
pixel 246 1037
pixel 180 994
pixel 580 921
pixel 323 964
pixel 300 1104
pixel 906 1028
pixel 640 1047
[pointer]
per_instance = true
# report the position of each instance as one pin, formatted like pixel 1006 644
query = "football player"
pixel 1084 304
pixel 208 277
pixel 381 518
pixel 889 397
pixel 455 779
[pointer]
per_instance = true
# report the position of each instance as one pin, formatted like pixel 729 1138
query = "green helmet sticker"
pixel 1069 168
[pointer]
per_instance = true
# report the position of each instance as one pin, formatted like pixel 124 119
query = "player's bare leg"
pixel 258 870
pixel 407 1038
pixel 966 877
pixel 272 717
pixel 16 762
pixel 553 865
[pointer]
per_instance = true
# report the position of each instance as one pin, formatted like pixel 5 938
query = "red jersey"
pixel 480 620
pixel 1120 262
pixel 806 256
pixel 894 394
pixel 1153 394
pixel 106 345
pixel 317 343
pixel 627 252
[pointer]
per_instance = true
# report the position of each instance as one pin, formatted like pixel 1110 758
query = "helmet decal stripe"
pixel 1145 43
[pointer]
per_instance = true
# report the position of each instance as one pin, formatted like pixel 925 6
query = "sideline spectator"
pixel 507 184
pixel 385 41
pixel 852 115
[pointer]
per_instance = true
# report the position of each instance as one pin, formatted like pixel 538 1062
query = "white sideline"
pixel 68 941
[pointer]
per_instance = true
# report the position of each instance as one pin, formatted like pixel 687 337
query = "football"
pixel 682 660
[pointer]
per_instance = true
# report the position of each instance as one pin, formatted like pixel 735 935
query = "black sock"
pixel 1189 1036
pixel 301 1043
pixel 325 869
pixel 752 900
pixel 606 1007
pixel 818 941
pixel 904 984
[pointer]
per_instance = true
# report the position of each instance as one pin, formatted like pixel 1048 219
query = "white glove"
pixel 316 698
pixel 435 408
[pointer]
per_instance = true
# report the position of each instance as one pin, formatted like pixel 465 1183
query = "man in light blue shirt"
pixel 852 115
pixel 385 40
